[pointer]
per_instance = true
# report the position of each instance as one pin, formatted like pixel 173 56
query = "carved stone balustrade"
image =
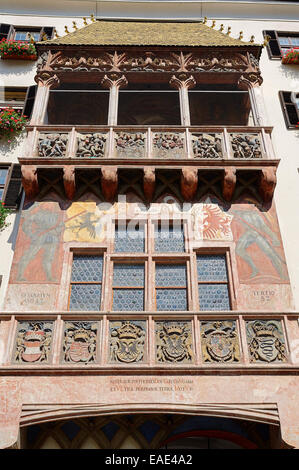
pixel 191 339
pixel 156 143
pixel 230 152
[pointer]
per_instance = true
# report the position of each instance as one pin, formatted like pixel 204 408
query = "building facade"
pixel 150 276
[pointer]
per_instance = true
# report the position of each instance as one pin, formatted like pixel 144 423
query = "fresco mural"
pixel 250 229
pixel 259 250
pixel 38 254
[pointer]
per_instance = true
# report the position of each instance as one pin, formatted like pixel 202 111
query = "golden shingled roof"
pixel 147 33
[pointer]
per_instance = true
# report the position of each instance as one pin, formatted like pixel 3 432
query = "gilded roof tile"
pixel 148 33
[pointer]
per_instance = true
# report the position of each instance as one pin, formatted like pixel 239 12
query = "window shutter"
pixel 29 101
pixel 273 47
pixel 5 30
pixel 48 30
pixel 290 109
pixel 13 190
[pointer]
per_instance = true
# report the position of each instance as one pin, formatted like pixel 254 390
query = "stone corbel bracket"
pixel 229 183
pixel 69 181
pixel 189 182
pixel 149 182
pixel 30 181
pixel 267 183
pixel 109 182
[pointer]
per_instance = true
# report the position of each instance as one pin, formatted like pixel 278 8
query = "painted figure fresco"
pixel 258 244
pixel 39 240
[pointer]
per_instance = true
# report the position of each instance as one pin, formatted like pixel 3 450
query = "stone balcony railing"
pixel 156 144
pixel 157 340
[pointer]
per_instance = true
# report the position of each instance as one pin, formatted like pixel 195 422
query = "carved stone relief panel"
pixel 33 342
pixel 127 341
pixel 52 145
pixel 207 145
pixel 91 145
pixel 174 341
pixel 80 341
pixel 246 146
pixel 168 145
pixel 219 341
pixel 266 341
pixel 129 145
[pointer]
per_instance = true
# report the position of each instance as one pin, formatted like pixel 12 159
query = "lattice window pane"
pixel 211 268
pixel 169 239
pixel 129 239
pixel 87 268
pixel 213 297
pixel 85 297
pixel 128 300
pixel 171 275
pixel 171 299
pixel 128 275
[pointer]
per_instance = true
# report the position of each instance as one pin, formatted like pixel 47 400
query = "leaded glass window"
pixel 129 238
pixel 171 287
pixel 128 287
pixel 213 289
pixel 86 282
pixel 169 238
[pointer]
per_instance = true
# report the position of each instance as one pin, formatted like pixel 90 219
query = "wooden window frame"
pixel 11 29
pixel 3 186
pixel 276 34
pixel 285 105
pixel 230 281
pixel 87 252
pixel 149 259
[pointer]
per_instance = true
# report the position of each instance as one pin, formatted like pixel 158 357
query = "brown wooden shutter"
pixel 29 101
pixel 290 109
pixel 13 188
pixel 273 47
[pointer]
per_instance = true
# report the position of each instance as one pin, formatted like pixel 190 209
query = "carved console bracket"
pixel 69 181
pixel 267 183
pixel 109 182
pixel 229 183
pixel 249 81
pixel 189 181
pixel 114 80
pixel 182 81
pixel 149 181
pixel 29 181
pixel 45 79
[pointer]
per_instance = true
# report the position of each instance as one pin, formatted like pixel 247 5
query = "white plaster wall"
pixel 249 16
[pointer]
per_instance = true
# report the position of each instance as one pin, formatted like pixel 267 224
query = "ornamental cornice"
pixel 149 61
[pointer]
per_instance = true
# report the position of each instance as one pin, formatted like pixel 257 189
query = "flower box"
pixel 20 57
pixel 17 50
pixel 291 57
pixel 11 122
